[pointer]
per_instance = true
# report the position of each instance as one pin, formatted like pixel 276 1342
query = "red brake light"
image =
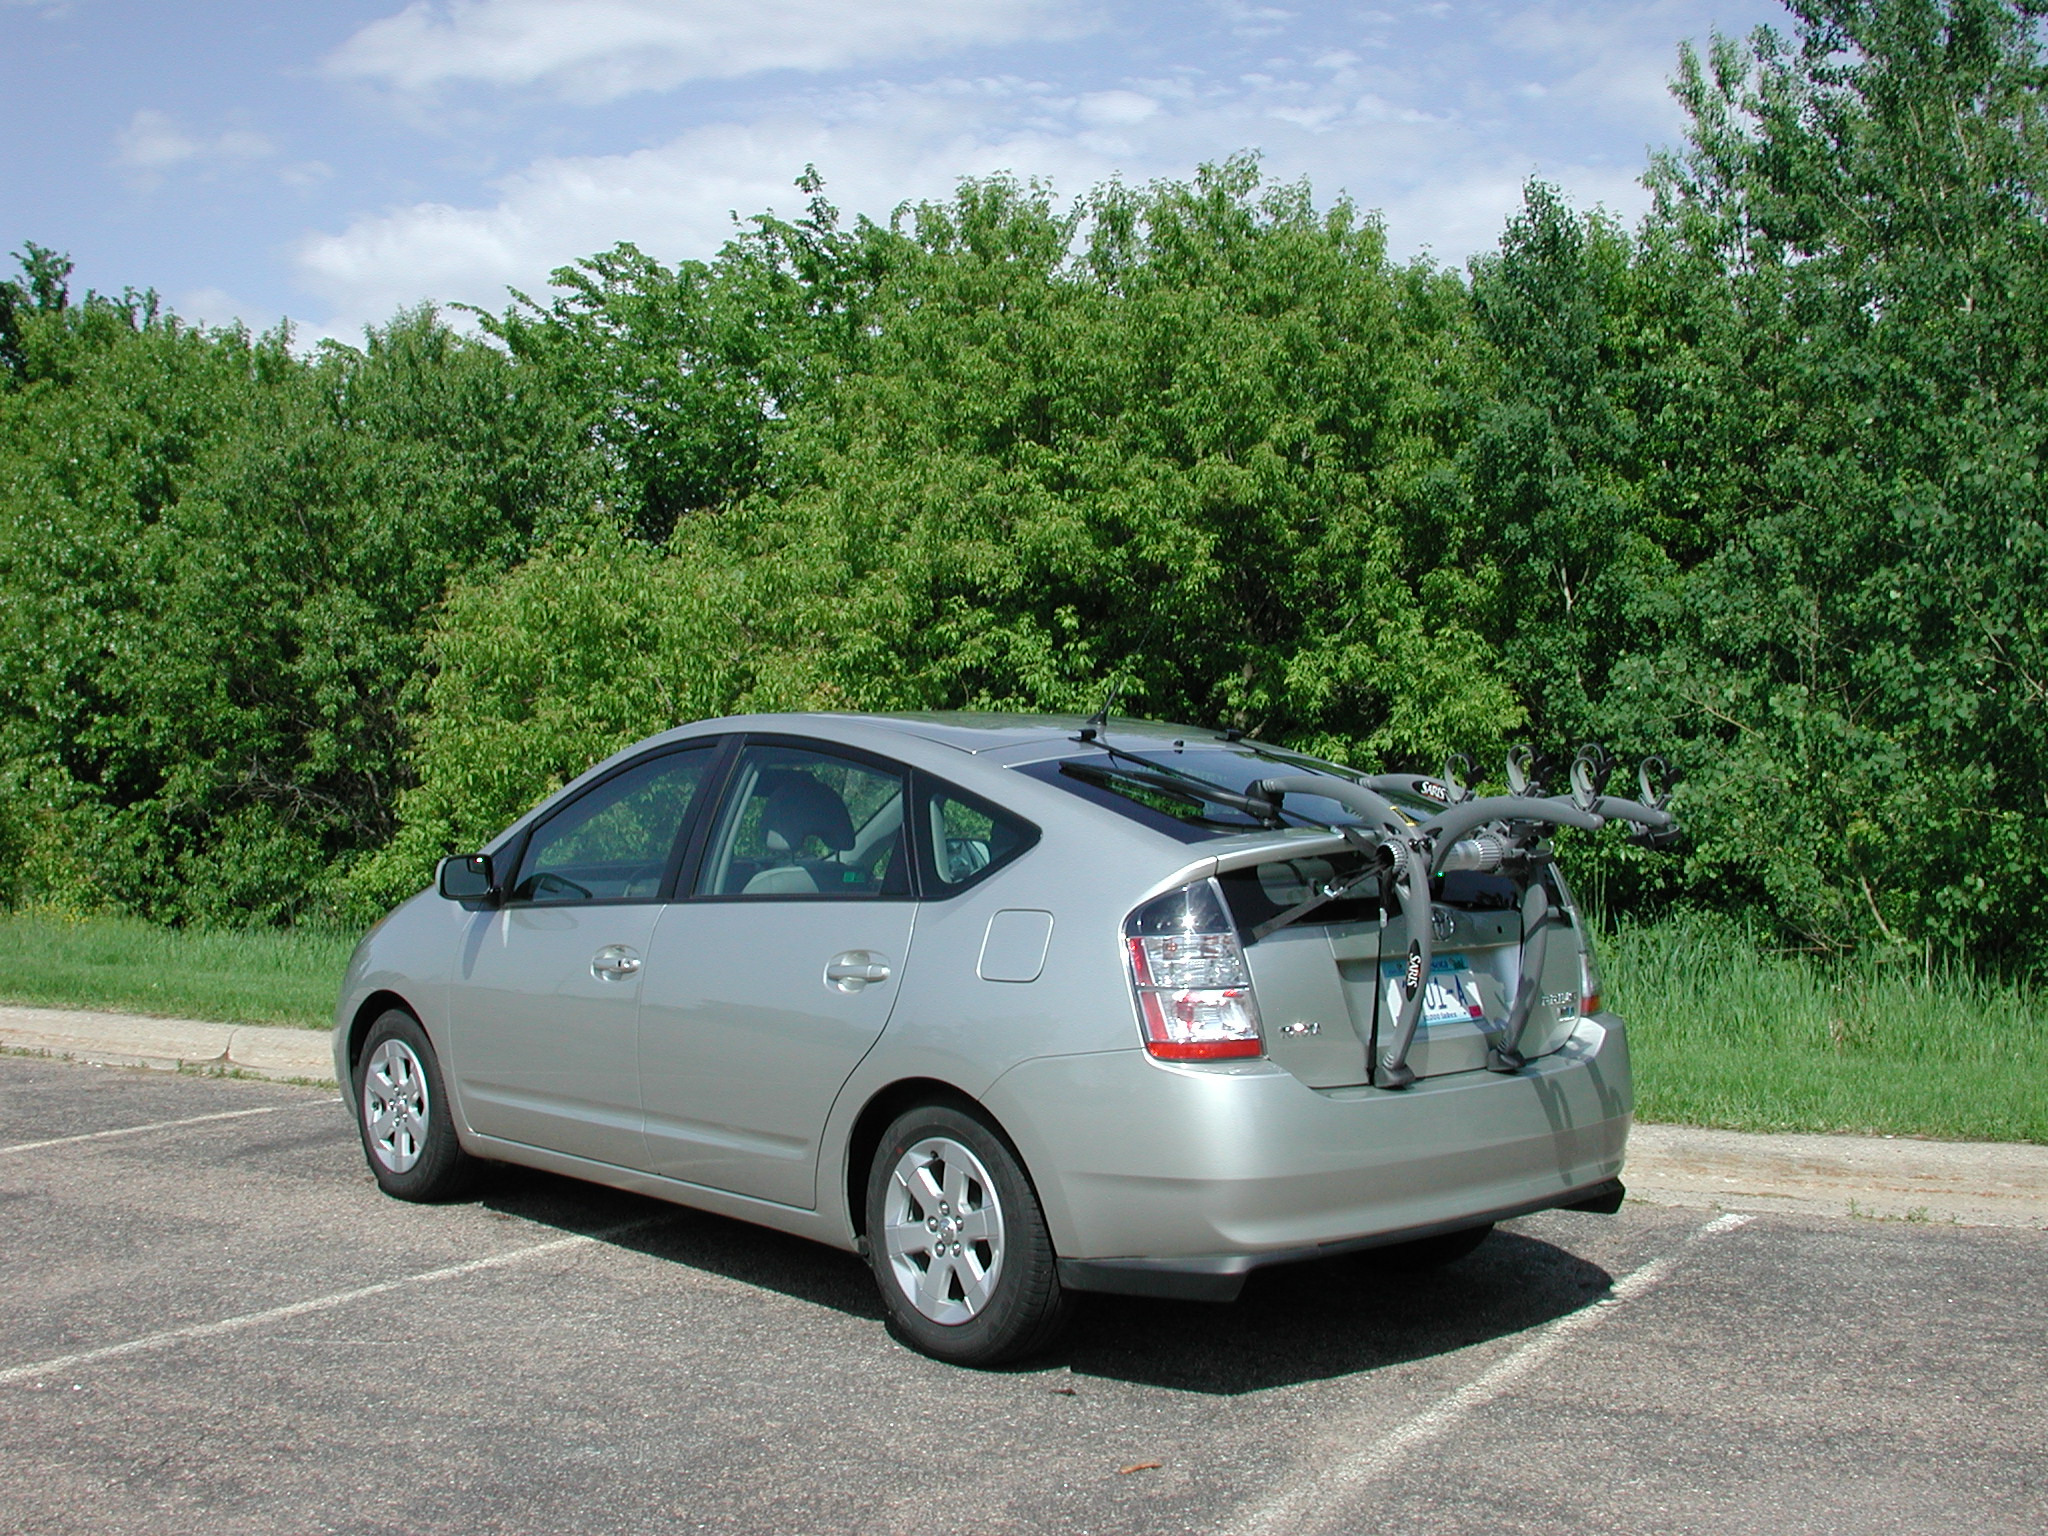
pixel 1193 988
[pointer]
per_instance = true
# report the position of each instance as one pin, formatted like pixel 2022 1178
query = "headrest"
pixel 798 808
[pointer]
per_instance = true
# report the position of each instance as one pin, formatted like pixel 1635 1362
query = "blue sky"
pixel 332 161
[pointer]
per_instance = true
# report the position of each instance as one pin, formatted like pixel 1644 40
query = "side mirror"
pixel 468 877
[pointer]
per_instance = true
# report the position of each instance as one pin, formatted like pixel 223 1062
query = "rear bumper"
pixel 1181 1180
pixel 1219 1277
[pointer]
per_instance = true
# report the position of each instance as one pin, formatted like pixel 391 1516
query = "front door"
pixel 546 992
pixel 769 982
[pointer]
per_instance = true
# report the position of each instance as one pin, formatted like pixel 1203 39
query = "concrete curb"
pixel 130 1040
pixel 1883 1178
pixel 1997 1184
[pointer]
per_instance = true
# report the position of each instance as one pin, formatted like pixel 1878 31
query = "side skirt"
pixel 817 1226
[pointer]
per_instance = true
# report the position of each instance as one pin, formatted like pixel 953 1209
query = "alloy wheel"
pixel 395 1105
pixel 942 1226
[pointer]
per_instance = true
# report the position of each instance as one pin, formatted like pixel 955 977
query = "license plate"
pixel 1451 995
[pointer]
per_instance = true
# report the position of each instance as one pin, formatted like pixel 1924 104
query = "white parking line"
pixel 169 1336
pixel 1318 1490
pixel 161 1125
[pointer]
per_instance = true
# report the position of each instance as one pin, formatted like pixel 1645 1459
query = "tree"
pixel 216 558
pixel 1859 661
pixel 1188 443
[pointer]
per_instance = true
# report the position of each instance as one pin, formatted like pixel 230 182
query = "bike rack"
pixel 1502 834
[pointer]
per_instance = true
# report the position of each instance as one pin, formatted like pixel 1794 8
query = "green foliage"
pixel 216 561
pixel 243 976
pixel 1765 478
pixel 1722 1035
pixel 1858 661
pixel 1193 441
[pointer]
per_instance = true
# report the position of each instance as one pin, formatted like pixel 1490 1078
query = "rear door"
pixel 776 972
pixel 546 991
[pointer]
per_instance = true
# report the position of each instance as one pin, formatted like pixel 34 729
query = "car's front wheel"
pixel 403 1114
pixel 958 1242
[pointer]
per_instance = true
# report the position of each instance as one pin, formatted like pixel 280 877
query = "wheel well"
pixel 875 1118
pixel 375 1006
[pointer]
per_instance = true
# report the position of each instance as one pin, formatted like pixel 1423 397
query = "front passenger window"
pixel 613 842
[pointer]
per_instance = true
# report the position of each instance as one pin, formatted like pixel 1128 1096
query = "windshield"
pixel 1197 789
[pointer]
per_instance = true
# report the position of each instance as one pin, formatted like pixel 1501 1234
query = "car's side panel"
pixel 407 955
pixel 953 1026
pixel 745 1039
pixel 544 1042
pixel 820 1226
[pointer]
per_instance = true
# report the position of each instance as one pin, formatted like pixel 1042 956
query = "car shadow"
pixel 1293 1324
pixel 1331 1317
pixel 738 1250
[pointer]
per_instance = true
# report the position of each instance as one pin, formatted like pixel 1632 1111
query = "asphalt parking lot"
pixel 213 1321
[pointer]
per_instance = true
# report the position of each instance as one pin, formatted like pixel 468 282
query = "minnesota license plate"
pixel 1450 996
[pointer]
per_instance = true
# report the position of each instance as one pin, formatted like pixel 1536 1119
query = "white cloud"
pixel 306 173
pixel 876 148
pixel 1616 58
pixel 1445 185
pixel 598 50
pixel 155 142
pixel 1107 109
pixel 1247 20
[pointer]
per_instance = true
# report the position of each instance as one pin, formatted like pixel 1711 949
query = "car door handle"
pixel 615 962
pixel 853 970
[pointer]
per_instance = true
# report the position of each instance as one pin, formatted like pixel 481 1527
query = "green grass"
pixel 1723 1035
pixel 260 976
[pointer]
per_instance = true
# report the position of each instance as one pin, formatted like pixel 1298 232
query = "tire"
pixel 1431 1252
pixel 958 1242
pixel 403 1116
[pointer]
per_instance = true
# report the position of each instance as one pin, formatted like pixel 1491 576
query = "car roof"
pixel 977 732
pixel 992 743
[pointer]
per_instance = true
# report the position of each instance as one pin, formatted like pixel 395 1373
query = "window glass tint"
pixel 614 841
pixel 1264 891
pixel 970 839
pixel 1162 786
pixel 805 823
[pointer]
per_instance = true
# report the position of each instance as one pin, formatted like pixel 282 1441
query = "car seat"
pixel 798 808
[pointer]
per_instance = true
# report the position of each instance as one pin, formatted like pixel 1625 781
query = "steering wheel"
pixel 544 884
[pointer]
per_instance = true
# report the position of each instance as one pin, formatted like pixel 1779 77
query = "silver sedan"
pixel 1013 1006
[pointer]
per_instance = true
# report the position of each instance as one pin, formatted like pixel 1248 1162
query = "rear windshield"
pixel 1260 892
pixel 1163 786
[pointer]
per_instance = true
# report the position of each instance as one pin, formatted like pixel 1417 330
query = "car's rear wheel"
pixel 958 1241
pixel 403 1114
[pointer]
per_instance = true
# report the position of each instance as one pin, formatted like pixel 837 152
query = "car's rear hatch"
pixel 1328 984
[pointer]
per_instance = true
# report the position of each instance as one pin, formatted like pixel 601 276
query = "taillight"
pixel 1194 992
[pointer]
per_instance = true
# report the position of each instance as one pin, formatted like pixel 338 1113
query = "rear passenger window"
pixel 969 838
pixel 807 824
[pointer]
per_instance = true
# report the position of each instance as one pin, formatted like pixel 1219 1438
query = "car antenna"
pixel 1098 722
